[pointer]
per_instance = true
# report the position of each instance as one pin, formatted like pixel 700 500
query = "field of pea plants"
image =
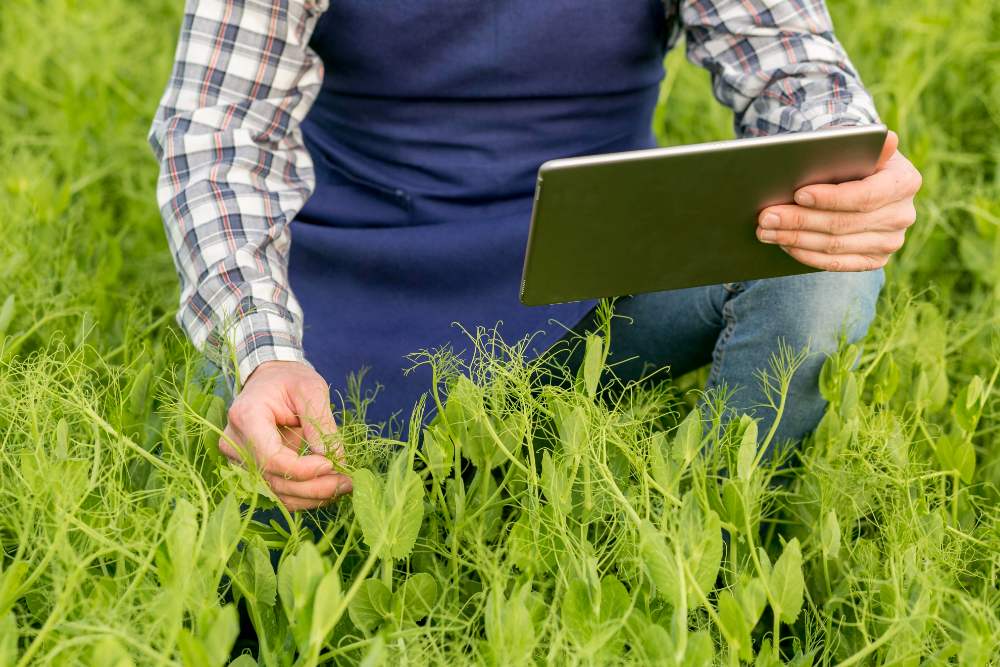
pixel 558 524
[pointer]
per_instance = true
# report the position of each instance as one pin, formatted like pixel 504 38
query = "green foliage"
pixel 580 523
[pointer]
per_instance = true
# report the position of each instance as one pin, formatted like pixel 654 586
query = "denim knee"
pixel 816 310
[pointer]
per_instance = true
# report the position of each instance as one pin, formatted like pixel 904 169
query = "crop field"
pixel 575 524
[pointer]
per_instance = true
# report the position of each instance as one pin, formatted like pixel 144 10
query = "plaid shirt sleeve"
pixel 776 64
pixel 234 171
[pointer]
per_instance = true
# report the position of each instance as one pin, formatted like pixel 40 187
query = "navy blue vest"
pixel 426 138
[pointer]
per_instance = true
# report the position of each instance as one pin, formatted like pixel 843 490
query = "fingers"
pixel 883 243
pixel 895 179
pixel 323 488
pixel 897 216
pixel 898 180
pixel 846 262
pixel 259 432
pixel 312 405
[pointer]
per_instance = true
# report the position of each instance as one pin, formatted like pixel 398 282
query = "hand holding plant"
pixel 282 405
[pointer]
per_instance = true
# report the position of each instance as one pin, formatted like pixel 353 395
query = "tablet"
pixel 669 218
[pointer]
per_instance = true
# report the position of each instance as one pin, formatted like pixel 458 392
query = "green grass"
pixel 558 534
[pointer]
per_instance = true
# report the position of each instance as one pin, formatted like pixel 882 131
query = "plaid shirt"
pixel 234 171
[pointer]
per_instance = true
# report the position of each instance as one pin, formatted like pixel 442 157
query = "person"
pixel 341 181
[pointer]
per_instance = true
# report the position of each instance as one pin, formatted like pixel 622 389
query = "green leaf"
pixel 829 379
pixel 830 535
pixel 571 424
pixel 661 468
pixel 748 450
pixel 417 596
pixel 966 408
pixel 404 500
pixel 849 399
pixel 735 507
pixel 660 563
pixel 440 452
pixel 256 573
pixel 786 582
pixel 656 646
pixel 592 363
pixel 466 415
pixel 700 649
pixel 696 543
pixel 687 438
pixel 371 606
pixel 390 515
pixel 298 577
pixel 222 525
pixel 139 393
pixel 556 485
pixel 218 639
pixel 767 656
pixel 734 625
pixel 957 456
pixel 752 596
pixel 368 498
pixel 510 631
pixel 182 534
pixel 326 600
pixel 593 616
pixel 192 649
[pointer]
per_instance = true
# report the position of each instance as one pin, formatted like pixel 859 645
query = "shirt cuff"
pixel 257 337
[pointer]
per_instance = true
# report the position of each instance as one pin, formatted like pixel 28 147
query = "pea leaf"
pixel 390 515
pixel 786 582
pixel 256 575
pixel 326 600
pixel 219 637
pixel 298 577
pixel 223 523
pixel 510 631
pixel 556 485
pixel 440 452
pixel 371 606
pixel 830 535
pixel 571 424
pixel 734 625
pixel 660 563
pixel 182 532
pixel 752 596
pixel 748 450
pixel 592 362
pixel 417 596
pixel 687 439
pixel 465 415
pixel 956 455
pixel 594 615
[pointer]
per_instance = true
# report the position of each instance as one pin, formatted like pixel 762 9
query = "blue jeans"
pixel 737 327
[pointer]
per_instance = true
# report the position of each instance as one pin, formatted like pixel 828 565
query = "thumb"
pixel 888 149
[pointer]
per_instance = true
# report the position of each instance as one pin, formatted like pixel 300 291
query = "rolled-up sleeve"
pixel 776 64
pixel 234 172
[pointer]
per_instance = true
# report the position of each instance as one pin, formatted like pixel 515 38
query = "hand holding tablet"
pixel 669 218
